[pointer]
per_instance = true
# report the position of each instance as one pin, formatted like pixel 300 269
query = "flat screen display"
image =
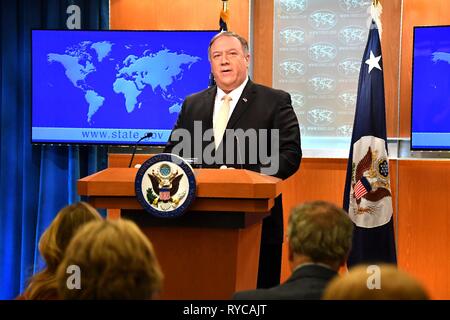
pixel 112 87
pixel 430 120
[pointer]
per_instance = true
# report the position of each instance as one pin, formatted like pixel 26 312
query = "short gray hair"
pixel 242 40
pixel 321 231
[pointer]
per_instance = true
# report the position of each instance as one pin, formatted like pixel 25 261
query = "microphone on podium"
pixel 147 135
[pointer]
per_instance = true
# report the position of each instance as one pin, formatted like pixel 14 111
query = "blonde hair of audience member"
pixel 116 261
pixel 53 244
pixel 319 232
pixel 394 284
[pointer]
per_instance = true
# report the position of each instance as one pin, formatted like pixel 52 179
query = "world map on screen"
pixel 114 86
pixel 134 71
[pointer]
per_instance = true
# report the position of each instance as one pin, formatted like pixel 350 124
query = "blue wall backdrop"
pixel 36 181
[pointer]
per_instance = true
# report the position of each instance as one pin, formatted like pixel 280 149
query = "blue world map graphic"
pixel 117 79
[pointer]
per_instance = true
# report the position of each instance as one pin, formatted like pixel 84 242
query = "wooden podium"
pixel 213 249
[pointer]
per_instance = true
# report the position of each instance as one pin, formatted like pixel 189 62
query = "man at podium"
pixel 237 123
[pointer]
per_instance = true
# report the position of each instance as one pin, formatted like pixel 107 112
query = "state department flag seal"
pixel 165 185
pixel 370 189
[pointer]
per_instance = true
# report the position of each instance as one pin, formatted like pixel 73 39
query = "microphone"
pixel 147 135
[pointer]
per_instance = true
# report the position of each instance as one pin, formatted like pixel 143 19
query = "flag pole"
pixel 375 11
pixel 225 5
pixel 224 16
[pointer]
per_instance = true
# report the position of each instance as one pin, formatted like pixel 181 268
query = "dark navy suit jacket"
pixel 259 107
pixel 306 283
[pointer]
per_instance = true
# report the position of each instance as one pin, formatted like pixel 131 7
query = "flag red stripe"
pixel 360 190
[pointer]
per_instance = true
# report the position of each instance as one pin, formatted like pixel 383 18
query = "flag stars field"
pixel 373 62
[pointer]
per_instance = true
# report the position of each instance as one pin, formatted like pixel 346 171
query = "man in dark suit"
pixel 238 123
pixel 320 237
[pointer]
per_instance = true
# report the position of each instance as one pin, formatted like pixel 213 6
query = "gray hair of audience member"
pixel 360 284
pixel 116 261
pixel 321 231
pixel 242 40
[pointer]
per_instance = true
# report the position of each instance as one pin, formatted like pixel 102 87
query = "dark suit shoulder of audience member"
pixel 319 238
pixel 305 283
pixel 52 246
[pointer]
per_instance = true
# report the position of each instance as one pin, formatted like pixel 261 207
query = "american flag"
pixel 361 188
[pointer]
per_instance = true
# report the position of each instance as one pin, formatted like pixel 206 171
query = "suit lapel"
pixel 209 107
pixel 243 104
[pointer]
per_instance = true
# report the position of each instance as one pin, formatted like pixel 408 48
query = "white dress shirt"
pixel 235 95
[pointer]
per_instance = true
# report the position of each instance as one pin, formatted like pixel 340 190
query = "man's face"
pixel 229 64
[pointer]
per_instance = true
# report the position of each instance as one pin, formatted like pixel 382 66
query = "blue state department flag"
pixel 224 17
pixel 223 26
pixel 367 194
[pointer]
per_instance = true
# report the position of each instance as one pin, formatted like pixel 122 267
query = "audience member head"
pixel 53 244
pixel 319 232
pixel 115 261
pixel 375 282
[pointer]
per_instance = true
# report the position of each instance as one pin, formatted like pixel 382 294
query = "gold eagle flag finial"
pixel 225 5
pixel 224 16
